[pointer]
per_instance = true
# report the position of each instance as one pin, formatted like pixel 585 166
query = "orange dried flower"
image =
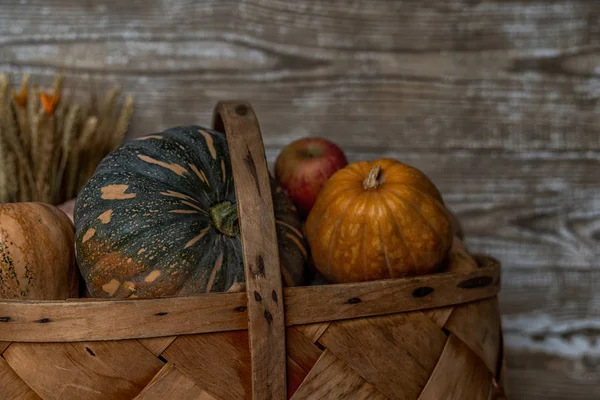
pixel 21 97
pixel 49 102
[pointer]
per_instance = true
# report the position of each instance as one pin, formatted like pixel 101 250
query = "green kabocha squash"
pixel 159 218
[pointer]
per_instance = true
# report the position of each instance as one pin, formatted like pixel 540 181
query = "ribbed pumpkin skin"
pixel 143 227
pixel 401 228
pixel 37 260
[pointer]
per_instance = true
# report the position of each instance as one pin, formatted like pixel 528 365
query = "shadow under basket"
pixel 428 338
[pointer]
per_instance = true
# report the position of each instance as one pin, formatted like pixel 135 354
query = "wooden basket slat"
pixel 394 353
pixel 356 300
pixel 459 260
pixel 219 363
pixel 90 370
pixel 157 345
pixel 478 326
pixel 439 316
pixel 313 331
pixel 458 375
pixel 331 378
pixel 302 355
pixel 170 383
pixel 70 321
pixel 12 386
pixel 3 346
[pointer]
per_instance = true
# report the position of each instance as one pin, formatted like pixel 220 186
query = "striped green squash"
pixel 159 218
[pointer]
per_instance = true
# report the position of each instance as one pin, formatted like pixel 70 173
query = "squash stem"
pixel 373 180
pixel 224 217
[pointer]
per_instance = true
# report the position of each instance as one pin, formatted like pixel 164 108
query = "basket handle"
pixel 266 325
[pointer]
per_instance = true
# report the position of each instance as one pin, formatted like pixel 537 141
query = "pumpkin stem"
pixel 224 217
pixel 372 181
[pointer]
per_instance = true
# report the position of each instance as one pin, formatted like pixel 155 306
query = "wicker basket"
pixel 430 337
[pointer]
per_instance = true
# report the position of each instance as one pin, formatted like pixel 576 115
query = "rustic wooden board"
pixel 492 75
pixel 496 100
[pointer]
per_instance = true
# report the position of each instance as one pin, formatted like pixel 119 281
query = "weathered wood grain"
pixel 313 331
pixel 396 354
pixel 3 346
pixel 94 319
pixel 13 387
pixel 172 384
pixel 157 345
pixel 351 300
pixel 474 380
pixel 559 302
pixel 567 376
pixel 219 363
pixel 302 354
pixel 476 325
pixel 496 100
pixel 553 333
pixel 92 370
pixel 490 75
pixel 333 377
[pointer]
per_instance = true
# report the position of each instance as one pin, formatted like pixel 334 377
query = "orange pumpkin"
pixel 37 253
pixel 378 219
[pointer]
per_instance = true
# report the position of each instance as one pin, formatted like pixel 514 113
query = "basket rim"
pixel 82 319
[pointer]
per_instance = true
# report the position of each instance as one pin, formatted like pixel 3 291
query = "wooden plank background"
pixel 497 101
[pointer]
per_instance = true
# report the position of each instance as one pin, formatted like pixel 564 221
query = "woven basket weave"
pixel 429 337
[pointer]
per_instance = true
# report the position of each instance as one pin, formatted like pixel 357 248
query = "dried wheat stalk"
pixel 49 145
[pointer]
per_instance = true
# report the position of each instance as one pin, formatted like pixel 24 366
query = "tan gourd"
pixel 37 255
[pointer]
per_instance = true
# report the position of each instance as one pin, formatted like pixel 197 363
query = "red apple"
pixel 303 166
